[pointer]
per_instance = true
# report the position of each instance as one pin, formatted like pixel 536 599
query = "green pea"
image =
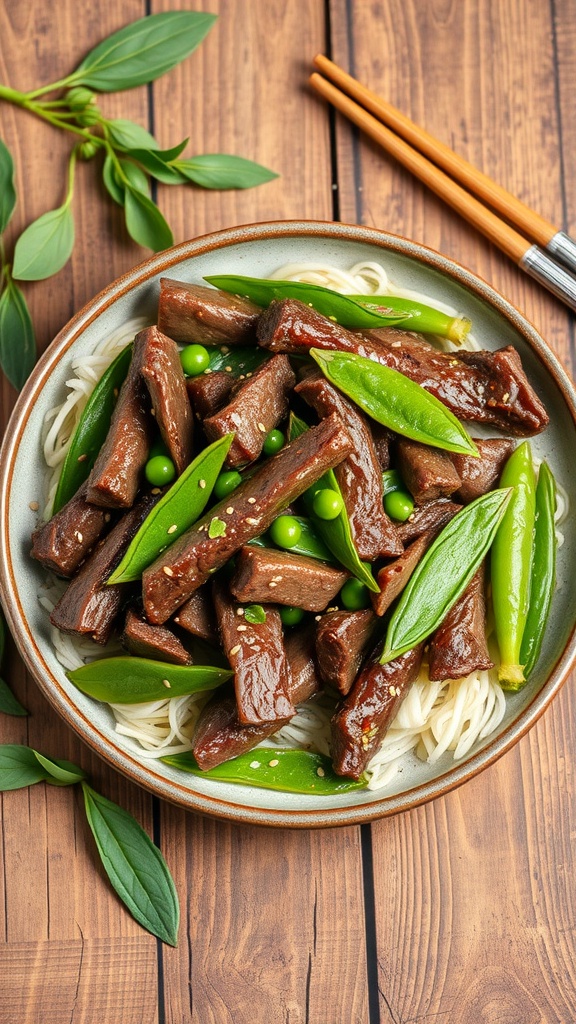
pixel 399 505
pixel 290 615
pixel 273 442
pixel 285 531
pixel 354 595
pixel 160 470
pixel 195 359
pixel 226 483
pixel 327 504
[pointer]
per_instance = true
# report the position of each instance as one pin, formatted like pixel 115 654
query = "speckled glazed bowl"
pixel 258 250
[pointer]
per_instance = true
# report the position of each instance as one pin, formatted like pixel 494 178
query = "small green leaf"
pixel 45 246
pixel 138 178
pixel 217 170
pixel 217 528
pixel 130 680
pixel 111 183
pixel 143 51
pixel 255 613
pixel 19 767
pixel 128 135
pixel 157 166
pixel 58 772
pixel 135 867
pixel 17 341
pixel 9 704
pixel 7 190
pixel 145 223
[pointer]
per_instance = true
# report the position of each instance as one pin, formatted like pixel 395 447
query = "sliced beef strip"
pixel 359 475
pixel 219 732
pixel 197 615
pixel 341 641
pixel 360 724
pixel 62 544
pixel 480 475
pixel 209 392
pixel 156 642
pixel 195 313
pixel 487 387
pixel 164 377
pixel 382 438
pixel 392 578
pixel 459 645
pixel 257 654
pixel 117 472
pixel 432 515
pixel 88 606
pixel 428 472
pixel 203 549
pixel 264 574
pixel 256 406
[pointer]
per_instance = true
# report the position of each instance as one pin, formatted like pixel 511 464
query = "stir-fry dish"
pixel 301 532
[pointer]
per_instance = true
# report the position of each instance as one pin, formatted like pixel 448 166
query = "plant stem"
pixel 71 169
pixel 62 84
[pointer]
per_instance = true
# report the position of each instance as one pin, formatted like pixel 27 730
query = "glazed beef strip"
pixel 341 641
pixel 264 574
pixel 63 543
pixel 360 724
pixel 359 475
pixel 487 387
pixel 393 577
pixel 256 406
pixel 382 438
pixel 433 515
pixel 459 645
pixel 209 392
pixel 219 733
pixel 256 652
pixel 88 606
pixel 156 642
pixel 203 549
pixel 197 616
pixel 164 377
pixel 428 472
pixel 480 475
pixel 195 313
pixel 117 472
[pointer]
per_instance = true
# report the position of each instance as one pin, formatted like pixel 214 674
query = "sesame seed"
pixel 241 628
pixel 208 370
pixel 177 619
pixel 317 618
pixel 167 570
pixel 272 584
pixel 249 374
pixel 252 522
pixel 239 611
pixel 202 484
pixel 173 528
pixel 235 650
pixel 34 506
pixel 262 428
pixel 254 764
pixel 229 510
pixel 251 501
pixel 506 397
pixel 79 536
pixel 273 763
pixel 395 344
pixel 167 684
pixel 276 579
pixel 320 772
pixel 107 517
pixel 153 412
pixel 155 490
pixel 82 458
pixel 228 369
pixel 224 350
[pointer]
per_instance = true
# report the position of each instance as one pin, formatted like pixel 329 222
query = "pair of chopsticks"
pixel 428 159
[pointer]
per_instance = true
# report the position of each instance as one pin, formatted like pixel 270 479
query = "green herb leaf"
pixel 217 170
pixel 181 506
pixel 157 165
pixel 19 767
pixel 145 223
pixel 128 680
pixel 111 183
pixel 128 135
pixel 135 867
pixel 59 773
pixel 143 51
pixel 17 341
pixel 9 704
pixel 395 401
pixel 444 572
pixel 45 246
pixel 7 190
pixel 288 770
pixel 136 176
pixel 217 528
pixel 255 613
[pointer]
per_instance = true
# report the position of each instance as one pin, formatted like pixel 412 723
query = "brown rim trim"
pixel 123 760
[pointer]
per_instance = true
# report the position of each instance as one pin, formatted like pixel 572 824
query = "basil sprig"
pixel 17 341
pixel 22 766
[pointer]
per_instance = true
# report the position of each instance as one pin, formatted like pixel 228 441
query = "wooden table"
pixel 462 911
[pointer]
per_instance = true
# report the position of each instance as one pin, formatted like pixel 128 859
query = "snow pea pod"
pixel 288 770
pixel 421 318
pixel 395 401
pixel 309 543
pixel 91 430
pixel 339 308
pixel 543 569
pixel 444 573
pixel 511 565
pixel 128 680
pixel 335 533
pixel 176 511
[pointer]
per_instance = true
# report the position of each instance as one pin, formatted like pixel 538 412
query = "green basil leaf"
pixel 395 401
pixel 255 613
pixel 58 772
pixel 172 154
pixel 111 183
pixel 9 704
pixel 45 246
pixel 444 572
pixel 157 166
pixel 91 430
pixel 288 770
pixel 7 190
pixel 17 341
pixel 138 178
pixel 143 51
pixel 145 223
pixel 19 767
pixel 136 868
pixel 179 507
pixel 217 170
pixel 128 680
pixel 128 135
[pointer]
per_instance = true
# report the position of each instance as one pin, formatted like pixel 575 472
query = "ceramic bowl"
pixel 258 250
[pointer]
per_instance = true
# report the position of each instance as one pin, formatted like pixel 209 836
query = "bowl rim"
pixel 118 757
